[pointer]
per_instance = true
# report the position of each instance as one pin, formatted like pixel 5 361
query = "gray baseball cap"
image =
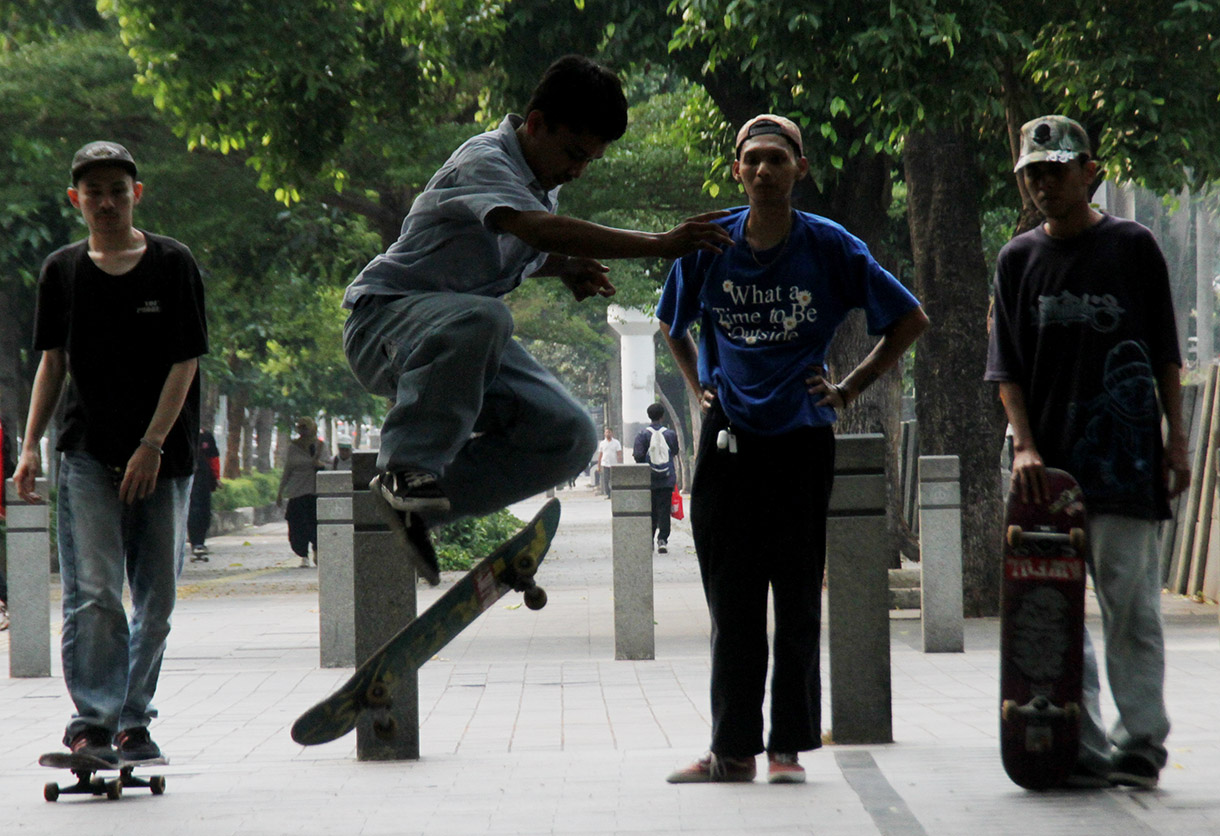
pixel 101 153
pixel 1053 139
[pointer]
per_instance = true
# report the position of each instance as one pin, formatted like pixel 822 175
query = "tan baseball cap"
pixel 1052 139
pixel 769 123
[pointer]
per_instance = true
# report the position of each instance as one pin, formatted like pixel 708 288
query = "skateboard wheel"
pixel 1006 709
pixel 114 789
pixel 1077 539
pixel 51 791
pixel 378 695
pixel 385 729
pixel 157 784
pixel 1014 535
pixel 535 597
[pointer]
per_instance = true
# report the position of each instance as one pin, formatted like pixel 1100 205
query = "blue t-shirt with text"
pixel 768 317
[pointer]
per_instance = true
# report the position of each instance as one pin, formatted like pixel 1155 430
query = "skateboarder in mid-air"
pixel 1084 348
pixel 477 423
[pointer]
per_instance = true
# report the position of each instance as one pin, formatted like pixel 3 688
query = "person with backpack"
pixel 657 445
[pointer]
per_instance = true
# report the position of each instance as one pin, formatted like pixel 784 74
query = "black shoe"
pixel 94 743
pixel 427 564
pixel 414 491
pixel 662 547
pixel 1134 771
pixel 1086 779
pixel 135 744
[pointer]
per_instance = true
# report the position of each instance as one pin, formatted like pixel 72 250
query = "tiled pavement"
pixel 530 726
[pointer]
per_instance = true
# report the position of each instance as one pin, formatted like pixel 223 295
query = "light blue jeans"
pixel 470 403
pixel 1126 574
pixel 111 667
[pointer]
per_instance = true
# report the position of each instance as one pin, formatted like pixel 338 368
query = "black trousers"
pixel 199 515
pixel 759 522
pixel 662 499
pixel 302 516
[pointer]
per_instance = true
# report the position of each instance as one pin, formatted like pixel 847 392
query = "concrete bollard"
pixel 336 590
pixel 631 507
pixel 858 555
pixel 29 576
pixel 384 601
pixel 940 549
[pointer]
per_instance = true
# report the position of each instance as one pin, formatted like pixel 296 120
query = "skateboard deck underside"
pixel 371 687
pixel 1042 637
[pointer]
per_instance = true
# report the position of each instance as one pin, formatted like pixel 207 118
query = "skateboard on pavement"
pixel 86 767
pixel 511 566
pixel 1042 634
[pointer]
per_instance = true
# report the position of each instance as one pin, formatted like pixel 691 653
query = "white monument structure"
pixel 639 363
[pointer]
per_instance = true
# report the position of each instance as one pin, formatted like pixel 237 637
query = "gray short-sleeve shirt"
pixel 446 242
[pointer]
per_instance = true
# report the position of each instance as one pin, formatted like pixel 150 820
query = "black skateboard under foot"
pixel 86 767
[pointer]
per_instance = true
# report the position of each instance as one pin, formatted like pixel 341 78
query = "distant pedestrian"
pixel 207 480
pixel 299 484
pixel 769 306
pixel 342 460
pixel 609 453
pixel 657 446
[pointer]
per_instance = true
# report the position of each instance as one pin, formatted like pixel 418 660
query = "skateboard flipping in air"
pixel 1042 634
pixel 371 687
pixel 85 768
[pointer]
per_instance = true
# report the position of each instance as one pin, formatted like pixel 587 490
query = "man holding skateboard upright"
pixel 1084 348
pixel 120 320
pixel 477 423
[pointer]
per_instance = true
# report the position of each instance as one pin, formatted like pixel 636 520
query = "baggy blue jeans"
pixel 470 403
pixel 1125 565
pixel 111 666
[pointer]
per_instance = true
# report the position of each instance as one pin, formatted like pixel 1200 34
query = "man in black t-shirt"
pixel 1084 348
pixel 120 320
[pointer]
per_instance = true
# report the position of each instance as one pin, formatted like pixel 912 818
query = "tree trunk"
pixel 958 413
pixel 264 430
pixel 236 417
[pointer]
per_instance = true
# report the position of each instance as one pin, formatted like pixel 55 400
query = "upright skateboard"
pixel 511 566
pixel 86 767
pixel 1042 634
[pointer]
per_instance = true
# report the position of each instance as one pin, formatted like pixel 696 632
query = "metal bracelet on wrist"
pixel 151 446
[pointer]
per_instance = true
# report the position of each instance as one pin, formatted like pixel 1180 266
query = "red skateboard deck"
pixel 1042 634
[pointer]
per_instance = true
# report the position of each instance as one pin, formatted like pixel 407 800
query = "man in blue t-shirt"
pixel 477 423
pixel 1085 351
pixel 767 309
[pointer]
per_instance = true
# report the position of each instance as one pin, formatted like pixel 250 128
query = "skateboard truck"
pixel 1039 713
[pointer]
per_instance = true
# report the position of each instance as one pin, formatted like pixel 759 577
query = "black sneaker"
pixel 1083 778
pixel 411 532
pixel 135 744
pixel 94 743
pixel 662 547
pixel 414 491
pixel 1134 771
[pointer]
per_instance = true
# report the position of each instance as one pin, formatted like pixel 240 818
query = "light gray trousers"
pixel 1126 575
pixel 470 404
